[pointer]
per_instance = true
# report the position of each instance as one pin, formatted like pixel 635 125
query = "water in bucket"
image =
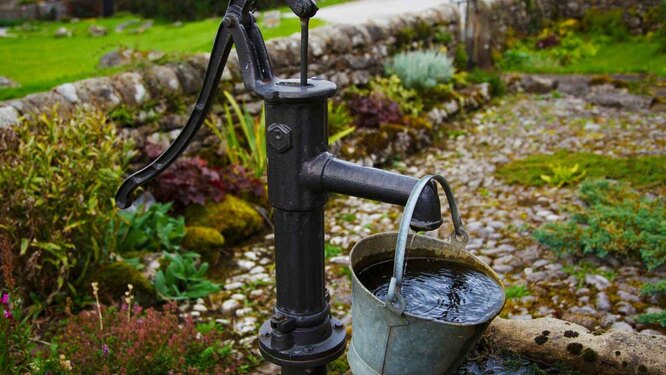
pixel 438 289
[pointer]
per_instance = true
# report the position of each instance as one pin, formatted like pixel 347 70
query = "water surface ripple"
pixel 437 289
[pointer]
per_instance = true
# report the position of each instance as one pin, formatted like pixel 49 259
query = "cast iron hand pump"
pixel 302 337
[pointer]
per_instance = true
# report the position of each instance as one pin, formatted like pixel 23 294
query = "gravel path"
pixel 361 11
pixel 499 217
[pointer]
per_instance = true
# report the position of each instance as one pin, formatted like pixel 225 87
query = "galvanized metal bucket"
pixel 388 340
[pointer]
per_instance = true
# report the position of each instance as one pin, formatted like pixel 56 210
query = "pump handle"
pixel 238 27
pixel 394 299
pixel 218 59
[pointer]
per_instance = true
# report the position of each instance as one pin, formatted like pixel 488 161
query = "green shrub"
pixel 461 59
pixel 652 289
pixel 658 318
pixel 615 220
pixel 497 84
pixel 392 87
pixel 605 24
pixel 182 279
pixel 57 182
pixel 145 229
pixel 421 70
pixel 641 172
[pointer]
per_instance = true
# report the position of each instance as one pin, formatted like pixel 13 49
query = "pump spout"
pixel 339 176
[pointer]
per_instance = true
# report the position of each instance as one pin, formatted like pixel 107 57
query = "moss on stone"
pixel 575 348
pixel 644 171
pixel 234 218
pixel 113 279
pixel 590 355
pixel 205 241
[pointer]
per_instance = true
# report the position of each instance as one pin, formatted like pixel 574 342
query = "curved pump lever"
pixel 218 59
pixel 239 28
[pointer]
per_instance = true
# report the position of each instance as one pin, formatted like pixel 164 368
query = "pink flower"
pixel 8 314
pixel 5 299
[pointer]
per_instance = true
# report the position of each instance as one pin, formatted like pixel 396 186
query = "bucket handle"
pixel 459 238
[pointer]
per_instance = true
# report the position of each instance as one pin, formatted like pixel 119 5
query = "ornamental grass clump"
pixel 421 70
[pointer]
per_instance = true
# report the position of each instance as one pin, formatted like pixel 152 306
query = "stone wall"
pixel 344 54
pixel 495 18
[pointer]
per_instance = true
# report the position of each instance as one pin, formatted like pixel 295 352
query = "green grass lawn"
pixel 39 61
pixel 635 55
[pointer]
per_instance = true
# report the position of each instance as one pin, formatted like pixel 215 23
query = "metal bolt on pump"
pixel 302 336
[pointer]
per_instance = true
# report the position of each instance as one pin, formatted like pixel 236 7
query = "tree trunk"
pixel 556 341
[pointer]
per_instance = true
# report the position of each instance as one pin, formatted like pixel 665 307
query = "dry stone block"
pixel 163 80
pixel 9 116
pixel 131 88
pixel 190 80
pixel 47 101
pixel 68 91
pixel 98 91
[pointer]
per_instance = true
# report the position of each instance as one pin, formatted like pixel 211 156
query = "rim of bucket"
pixel 485 269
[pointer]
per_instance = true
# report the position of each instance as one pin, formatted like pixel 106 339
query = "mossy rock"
pixel 205 241
pixel 234 218
pixel 113 280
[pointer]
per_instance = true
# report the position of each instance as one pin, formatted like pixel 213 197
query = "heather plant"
pixel 182 279
pixel 192 180
pixel 58 178
pixel 237 181
pixel 421 70
pixel 373 110
pixel 145 229
pixel 133 341
pixel 189 180
pixel 614 219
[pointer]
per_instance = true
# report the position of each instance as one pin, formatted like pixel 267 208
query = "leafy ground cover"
pixel 641 171
pixel 637 55
pixel 38 61
pixel 598 44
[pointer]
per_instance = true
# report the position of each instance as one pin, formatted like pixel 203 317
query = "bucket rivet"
pixel 309 349
pixel 339 325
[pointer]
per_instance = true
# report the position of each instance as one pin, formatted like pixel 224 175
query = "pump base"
pixel 304 356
